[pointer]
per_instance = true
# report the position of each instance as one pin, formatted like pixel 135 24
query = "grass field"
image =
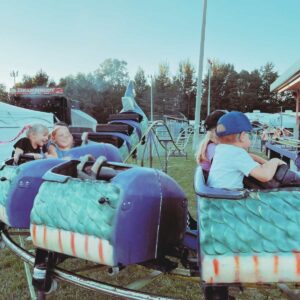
pixel 12 275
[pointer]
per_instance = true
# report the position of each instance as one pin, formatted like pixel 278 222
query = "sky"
pixel 64 37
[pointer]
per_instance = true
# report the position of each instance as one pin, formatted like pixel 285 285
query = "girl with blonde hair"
pixel 61 142
pixel 207 147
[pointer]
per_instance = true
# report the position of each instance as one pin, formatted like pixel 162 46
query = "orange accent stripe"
pixel 216 266
pixel 256 264
pixel 61 249
pixel 237 268
pixel 34 233
pixel 276 263
pixel 45 237
pixel 297 257
pixel 100 252
pixel 86 245
pixel 73 244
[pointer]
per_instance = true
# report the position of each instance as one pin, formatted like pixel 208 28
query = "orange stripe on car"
pixel 73 248
pixel 60 241
pixel 100 252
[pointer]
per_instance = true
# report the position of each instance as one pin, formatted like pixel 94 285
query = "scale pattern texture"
pixel 265 222
pixel 7 175
pixel 74 206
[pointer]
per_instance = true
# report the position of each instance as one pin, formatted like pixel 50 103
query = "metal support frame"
pixel 78 280
pixel 296 131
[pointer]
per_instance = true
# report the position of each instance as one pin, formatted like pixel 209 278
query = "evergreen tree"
pixel 185 80
pixel 142 90
pixel 3 93
pixel 224 91
pixel 141 86
pixel 162 89
pixel 268 75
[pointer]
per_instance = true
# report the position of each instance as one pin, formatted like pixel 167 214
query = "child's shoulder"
pixel 24 141
pixel 211 146
pixel 230 150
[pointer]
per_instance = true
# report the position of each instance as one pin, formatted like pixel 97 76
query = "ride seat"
pixel 203 190
pixel 74 129
pixel 93 136
pixel 125 116
pixel 121 128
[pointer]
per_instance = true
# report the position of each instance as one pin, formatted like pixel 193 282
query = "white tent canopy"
pixel 12 121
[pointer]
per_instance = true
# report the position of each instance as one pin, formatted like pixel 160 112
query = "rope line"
pixel 18 135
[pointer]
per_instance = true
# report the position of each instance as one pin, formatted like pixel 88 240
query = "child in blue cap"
pixel 231 161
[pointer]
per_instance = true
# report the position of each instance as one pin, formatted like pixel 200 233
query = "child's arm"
pixel 36 155
pixel 52 152
pixel 258 159
pixel 200 155
pixel 18 152
pixel 266 171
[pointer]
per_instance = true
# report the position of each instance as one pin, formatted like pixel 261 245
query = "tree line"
pixel 99 92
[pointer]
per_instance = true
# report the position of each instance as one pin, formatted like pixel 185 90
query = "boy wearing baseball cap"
pixel 231 161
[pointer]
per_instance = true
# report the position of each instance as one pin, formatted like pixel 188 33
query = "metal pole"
pixel 199 81
pixel 14 74
pixel 151 103
pixel 209 79
pixel 296 130
pixel 209 86
pixel 151 119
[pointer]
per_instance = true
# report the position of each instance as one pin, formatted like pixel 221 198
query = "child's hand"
pixel 16 157
pixel 17 154
pixel 36 155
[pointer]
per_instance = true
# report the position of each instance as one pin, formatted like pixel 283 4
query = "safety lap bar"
pixel 203 190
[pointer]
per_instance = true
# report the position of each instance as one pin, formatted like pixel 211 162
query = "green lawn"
pixel 12 275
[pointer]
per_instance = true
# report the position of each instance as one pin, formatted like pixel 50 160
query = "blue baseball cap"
pixel 233 122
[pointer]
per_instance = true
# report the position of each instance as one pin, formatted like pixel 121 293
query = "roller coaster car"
pixel 133 120
pixel 20 183
pixel 110 213
pixel 124 131
pixel 248 236
pixel 124 137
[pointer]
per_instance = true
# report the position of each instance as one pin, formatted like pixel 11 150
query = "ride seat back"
pixel 122 128
pixel 74 129
pixel 125 116
pixel 108 139
pixel 203 190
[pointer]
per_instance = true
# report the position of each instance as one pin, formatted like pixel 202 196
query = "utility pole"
pixel 199 81
pixel 209 86
pixel 14 74
pixel 151 97
pixel 151 141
